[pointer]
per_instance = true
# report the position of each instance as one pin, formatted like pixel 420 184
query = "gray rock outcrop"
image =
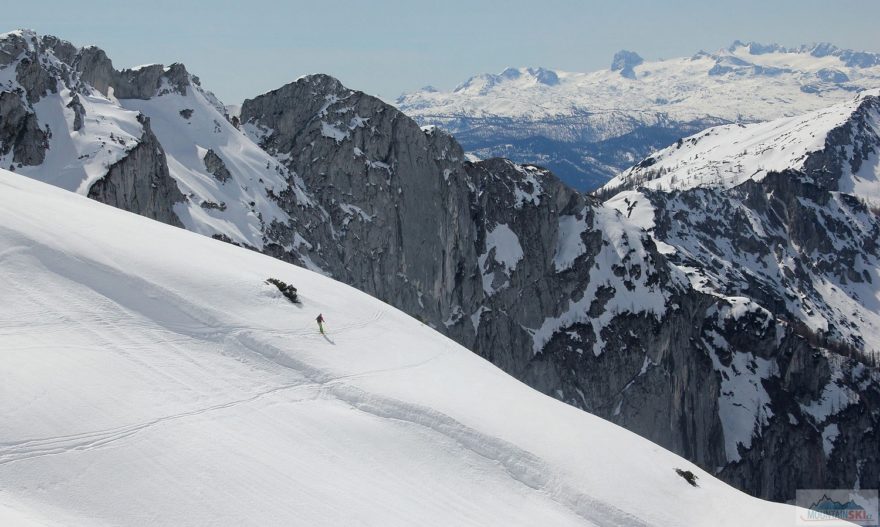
pixel 96 69
pixel 140 183
pixel 216 167
pixel 624 61
pixel 79 112
pixel 20 131
pixel 36 80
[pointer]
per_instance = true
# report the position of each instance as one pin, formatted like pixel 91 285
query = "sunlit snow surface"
pixel 186 141
pixel 151 377
pixel 726 156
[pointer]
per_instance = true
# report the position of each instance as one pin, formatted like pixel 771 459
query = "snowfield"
pixel 149 376
pixel 726 156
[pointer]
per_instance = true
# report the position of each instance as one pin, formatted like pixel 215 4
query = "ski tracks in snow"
pixel 176 315
pixel 318 380
pixel 521 465
pixel 18 451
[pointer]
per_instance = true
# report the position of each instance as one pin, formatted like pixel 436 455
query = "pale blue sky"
pixel 244 48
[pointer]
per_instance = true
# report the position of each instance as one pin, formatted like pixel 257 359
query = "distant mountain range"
pixel 587 127
pixel 720 298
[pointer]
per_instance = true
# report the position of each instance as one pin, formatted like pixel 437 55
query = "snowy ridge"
pixel 107 132
pixel 207 380
pixel 834 149
pixel 726 156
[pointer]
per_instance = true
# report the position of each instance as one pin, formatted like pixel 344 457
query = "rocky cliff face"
pixel 794 228
pixel 394 199
pixel 140 183
pixel 96 69
pixel 570 296
pixel 483 251
pixel 20 133
pixel 785 373
pixel 668 311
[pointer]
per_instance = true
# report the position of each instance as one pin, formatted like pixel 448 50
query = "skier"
pixel 320 321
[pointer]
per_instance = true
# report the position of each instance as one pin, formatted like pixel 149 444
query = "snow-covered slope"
pixel 144 384
pixel 588 126
pixel 237 204
pixel 726 156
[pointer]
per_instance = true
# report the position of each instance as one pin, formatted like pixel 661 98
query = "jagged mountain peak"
pixel 49 59
pixel 337 111
pixel 319 80
pixel 510 73
pixel 324 100
pixel 544 76
pixel 756 48
pixel 23 38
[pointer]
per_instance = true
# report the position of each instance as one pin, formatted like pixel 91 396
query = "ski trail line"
pixel 32 448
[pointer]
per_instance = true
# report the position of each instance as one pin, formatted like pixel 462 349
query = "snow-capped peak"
pixel 27 34
pixel 520 77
